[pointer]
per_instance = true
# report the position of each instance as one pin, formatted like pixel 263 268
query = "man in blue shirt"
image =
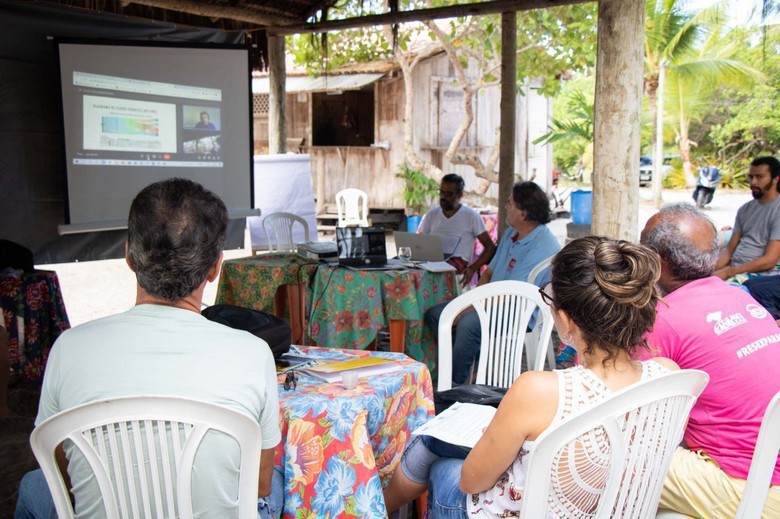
pixel 525 244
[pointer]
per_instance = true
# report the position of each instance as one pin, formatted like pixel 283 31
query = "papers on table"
pixel 363 366
pixel 437 266
pixel 461 424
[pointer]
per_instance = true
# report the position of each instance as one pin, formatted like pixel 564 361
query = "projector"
pixel 318 250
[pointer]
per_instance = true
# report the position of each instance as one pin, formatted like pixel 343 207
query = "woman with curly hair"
pixel 603 298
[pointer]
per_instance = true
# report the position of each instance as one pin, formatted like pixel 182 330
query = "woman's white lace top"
pixel 582 466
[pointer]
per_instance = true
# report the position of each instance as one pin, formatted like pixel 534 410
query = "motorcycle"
pixel 709 178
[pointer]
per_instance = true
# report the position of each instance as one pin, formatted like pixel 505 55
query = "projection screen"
pixel 135 113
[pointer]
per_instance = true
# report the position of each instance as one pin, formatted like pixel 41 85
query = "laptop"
pixel 361 247
pixel 426 247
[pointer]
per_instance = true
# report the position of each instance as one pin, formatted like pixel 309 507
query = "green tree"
pixel 686 48
pixel 572 127
pixel 693 82
pixel 745 123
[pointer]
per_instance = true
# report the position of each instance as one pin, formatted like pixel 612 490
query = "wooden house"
pixel 351 123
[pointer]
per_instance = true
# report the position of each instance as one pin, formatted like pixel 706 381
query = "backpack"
pixel 273 330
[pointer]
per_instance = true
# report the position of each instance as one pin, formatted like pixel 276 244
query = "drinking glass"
pixel 405 253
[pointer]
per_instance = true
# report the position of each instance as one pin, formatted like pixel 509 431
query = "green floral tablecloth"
pixel 348 307
pixel 252 282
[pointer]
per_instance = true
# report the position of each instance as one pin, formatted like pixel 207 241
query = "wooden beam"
pixel 617 118
pixel 277 74
pixel 506 164
pixel 418 15
pixel 220 11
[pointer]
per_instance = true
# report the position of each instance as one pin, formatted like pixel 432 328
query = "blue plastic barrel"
pixel 581 207
pixel 413 222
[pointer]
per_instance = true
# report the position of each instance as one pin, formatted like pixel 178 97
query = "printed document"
pixel 461 424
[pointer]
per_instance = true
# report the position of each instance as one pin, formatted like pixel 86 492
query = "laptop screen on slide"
pixel 361 246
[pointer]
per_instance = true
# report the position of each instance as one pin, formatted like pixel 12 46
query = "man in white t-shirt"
pixel 460 225
pixel 163 346
pixel 754 246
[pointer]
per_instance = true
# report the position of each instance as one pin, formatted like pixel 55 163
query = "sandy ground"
pixel 96 289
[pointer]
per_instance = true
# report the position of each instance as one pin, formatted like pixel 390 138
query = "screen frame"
pixel 106 225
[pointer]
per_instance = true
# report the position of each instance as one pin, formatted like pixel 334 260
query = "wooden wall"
pixel 373 169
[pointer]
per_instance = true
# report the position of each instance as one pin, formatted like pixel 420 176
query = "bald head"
pixel 687 242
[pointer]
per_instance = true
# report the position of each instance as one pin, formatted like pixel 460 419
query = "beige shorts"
pixel 696 486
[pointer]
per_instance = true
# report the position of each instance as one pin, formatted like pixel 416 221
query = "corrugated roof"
pixel 318 84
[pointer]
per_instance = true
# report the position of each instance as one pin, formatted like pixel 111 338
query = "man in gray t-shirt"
pixel 754 246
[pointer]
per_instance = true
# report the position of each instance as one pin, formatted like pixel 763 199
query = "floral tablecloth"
pixel 348 307
pixel 34 314
pixel 339 446
pixel 252 282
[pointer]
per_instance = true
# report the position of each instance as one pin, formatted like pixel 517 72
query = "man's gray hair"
pixel 686 261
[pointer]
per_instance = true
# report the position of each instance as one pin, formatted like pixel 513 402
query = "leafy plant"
pixel 675 179
pixel 420 188
pixel 735 177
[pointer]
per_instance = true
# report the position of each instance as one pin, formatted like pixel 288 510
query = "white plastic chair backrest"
pixel 107 431
pixel 635 433
pixel 534 335
pixel 763 465
pixel 352 208
pixel 504 309
pixel 538 268
pixel 278 229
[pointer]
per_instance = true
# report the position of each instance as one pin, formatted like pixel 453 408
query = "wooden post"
pixel 277 75
pixel 617 118
pixel 506 167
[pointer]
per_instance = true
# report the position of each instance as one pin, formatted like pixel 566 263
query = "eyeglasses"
pixel 446 193
pixel 290 380
pixel 547 298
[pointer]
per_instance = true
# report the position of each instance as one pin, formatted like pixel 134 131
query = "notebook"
pixel 426 247
pixel 361 246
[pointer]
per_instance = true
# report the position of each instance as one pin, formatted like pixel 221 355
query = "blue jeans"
pixel 437 463
pixel 35 500
pixel 465 344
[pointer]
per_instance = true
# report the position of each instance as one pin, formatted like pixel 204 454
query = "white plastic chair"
pixel 107 431
pixel 763 465
pixel 278 229
pixel 352 208
pixel 637 430
pixel 533 335
pixel 504 309
pixel 761 468
pixel 538 268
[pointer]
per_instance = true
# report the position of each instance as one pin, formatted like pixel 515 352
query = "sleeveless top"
pixel 575 489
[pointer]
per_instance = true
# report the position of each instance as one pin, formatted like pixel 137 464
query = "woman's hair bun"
pixel 625 272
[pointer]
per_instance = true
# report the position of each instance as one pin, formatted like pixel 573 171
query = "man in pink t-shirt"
pixel 708 325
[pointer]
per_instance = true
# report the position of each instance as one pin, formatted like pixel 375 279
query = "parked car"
pixel 646 168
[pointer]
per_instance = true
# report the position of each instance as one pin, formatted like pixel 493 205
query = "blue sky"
pixel 742 12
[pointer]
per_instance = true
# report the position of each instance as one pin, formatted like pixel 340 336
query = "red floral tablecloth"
pixel 34 314
pixel 348 307
pixel 339 446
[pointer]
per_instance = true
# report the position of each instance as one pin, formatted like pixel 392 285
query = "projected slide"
pixel 115 124
pixel 133 114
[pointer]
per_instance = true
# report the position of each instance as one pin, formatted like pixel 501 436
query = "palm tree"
pixel 688 50
pixel 693 81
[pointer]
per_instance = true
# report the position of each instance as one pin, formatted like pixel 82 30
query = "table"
pixel 254 282
pixel 348 307
pixel 339 446
pixel 34 315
